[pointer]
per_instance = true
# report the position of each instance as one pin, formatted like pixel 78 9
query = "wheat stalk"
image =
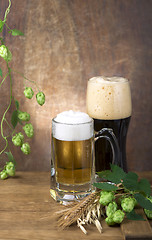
pixel 86 211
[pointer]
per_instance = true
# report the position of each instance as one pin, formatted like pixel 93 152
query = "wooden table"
pixel 27 211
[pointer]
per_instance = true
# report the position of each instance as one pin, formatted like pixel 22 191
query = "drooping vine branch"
pixel 7 109
pixel 17 116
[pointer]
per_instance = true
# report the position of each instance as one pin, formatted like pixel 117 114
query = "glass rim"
pixel 73 124
pixel 106 79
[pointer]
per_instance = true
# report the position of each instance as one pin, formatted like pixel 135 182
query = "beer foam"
pixel 72 126
pixel 108 98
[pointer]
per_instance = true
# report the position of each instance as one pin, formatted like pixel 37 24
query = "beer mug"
pixel 109 104
pixel 72 161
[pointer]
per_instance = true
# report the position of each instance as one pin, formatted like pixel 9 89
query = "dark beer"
pixel 103 151
pixel 109 104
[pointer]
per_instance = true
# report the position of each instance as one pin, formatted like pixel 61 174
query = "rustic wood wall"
pixel 68 41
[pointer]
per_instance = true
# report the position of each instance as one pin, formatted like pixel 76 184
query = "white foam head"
pixel 72 126
pixel 108 98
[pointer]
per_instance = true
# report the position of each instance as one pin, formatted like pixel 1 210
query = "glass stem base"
pixel 66 194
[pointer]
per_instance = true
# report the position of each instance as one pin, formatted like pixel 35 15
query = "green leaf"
pixel 130 181
pixel 134 216
pixel 2 42
pixel 106 186
pixel 115 176
pixel 16 32
pixel 1 72
pixel 117 172
pixel 17 104
pixel 20 122
pixel 1 25
pixel 144 202
pixel 14 118
pixel 10 157
pixel 144 186
pixel 104 174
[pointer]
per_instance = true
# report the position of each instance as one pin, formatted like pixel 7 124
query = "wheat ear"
pixel 70 215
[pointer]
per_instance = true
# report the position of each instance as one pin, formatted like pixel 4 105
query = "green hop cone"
pixel 3 174
pixel 118 216
pixel 148 212
pixel 21 136
pixel 17 141
pixel 110 221
pixel 106 197
pixel 26 148
pixel 128 204
pixel 28 92
pixel 5 53
pixel 24 116
pixel 29 130
pixel 40 97
pixel 10 169
pixel 111 208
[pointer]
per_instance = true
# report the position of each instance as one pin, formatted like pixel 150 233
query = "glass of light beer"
pixel 72 163
pixel 109 104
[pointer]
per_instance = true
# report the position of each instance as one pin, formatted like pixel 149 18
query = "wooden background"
pixel 68 41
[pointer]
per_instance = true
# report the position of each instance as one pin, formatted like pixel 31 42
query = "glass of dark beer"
pixel 109 104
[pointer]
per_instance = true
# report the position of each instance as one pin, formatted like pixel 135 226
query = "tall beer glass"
pixel 109 104
pixel 72 163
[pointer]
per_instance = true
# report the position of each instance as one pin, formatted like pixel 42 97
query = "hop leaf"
pixel 115 176
pixel 134 216
pixel 144 186
pixel 106 186
pixel 1 72
pixel 17 104
pixel 10 157
pixel 16 32
pixel 130 181
pixel 1 25
pixel 144 202
pixel 14 118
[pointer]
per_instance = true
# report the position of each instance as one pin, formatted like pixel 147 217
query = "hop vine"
pixel 18 116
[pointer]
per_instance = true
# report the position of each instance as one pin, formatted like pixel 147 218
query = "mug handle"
pixel 108 134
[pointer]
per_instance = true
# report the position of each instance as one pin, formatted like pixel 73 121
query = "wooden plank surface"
pixel 137 230
pixel 28 212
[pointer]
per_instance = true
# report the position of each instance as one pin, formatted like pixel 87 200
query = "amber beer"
pixel 72 163
pixel 109 104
